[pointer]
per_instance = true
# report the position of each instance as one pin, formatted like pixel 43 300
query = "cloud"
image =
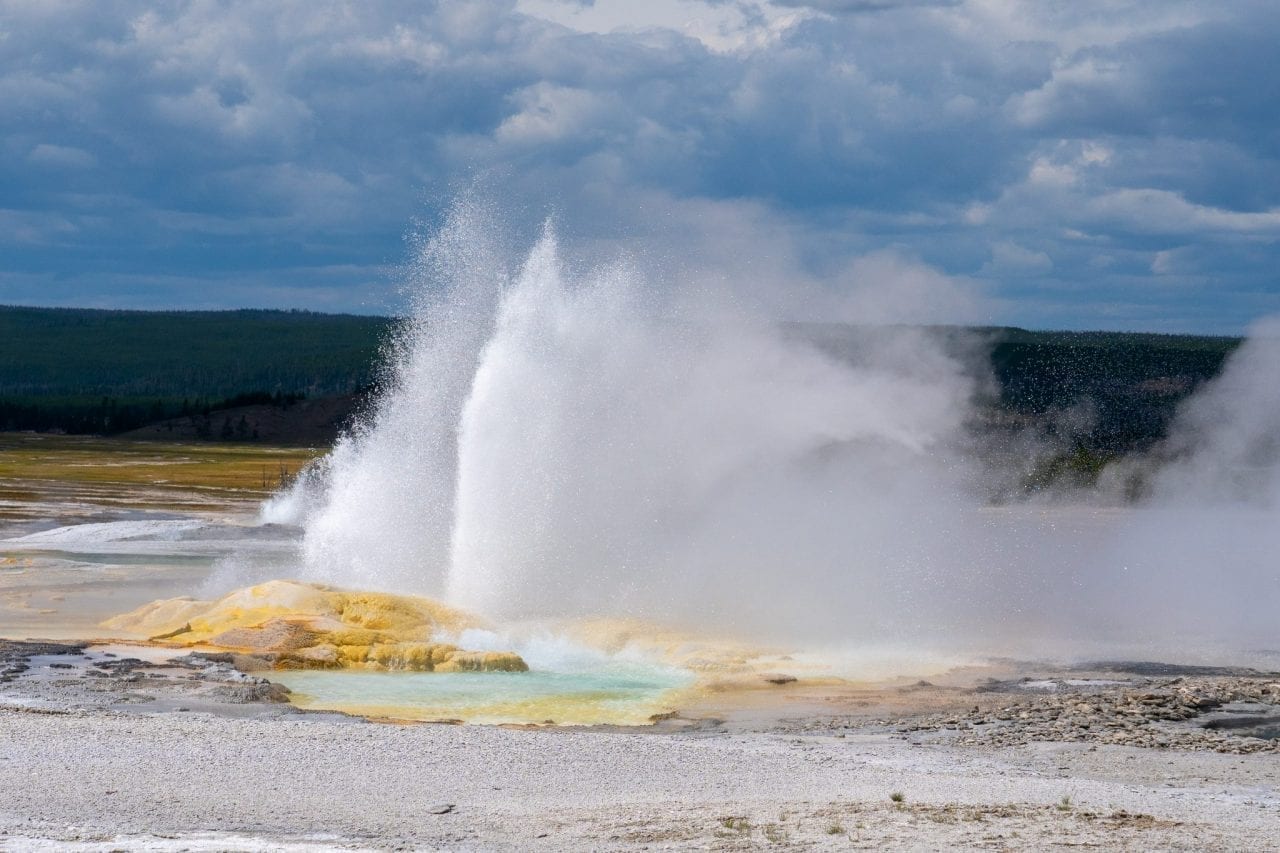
pixel 61 157
pixel 550 114
pixel 1008 258
pixel 1161 211
pixel 33 228
pixel 1051 151
pixel 842 6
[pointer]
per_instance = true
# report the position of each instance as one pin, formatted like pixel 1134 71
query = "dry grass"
pixel 77 460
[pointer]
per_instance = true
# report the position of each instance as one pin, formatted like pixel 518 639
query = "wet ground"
pixel 90 528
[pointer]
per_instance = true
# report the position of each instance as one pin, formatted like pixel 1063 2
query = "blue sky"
pixel 1080 165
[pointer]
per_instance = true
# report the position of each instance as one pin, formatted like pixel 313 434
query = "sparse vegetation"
pixel 74 459
pixel 1064 804
pixel 835 829
pixel 898 797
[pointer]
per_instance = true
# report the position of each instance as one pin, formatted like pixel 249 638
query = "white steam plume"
pixel 1200 558
pixel 562 439
pixel 378 510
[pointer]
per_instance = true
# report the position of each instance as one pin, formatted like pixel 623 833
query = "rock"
pixel 255 690
pixel 185 628
pixel 272 635
pixel 777 678
pixel 323 655
pixel 483 662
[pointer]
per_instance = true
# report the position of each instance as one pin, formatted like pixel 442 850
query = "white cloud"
pixel 33 228
pixel 996 138
pixel 61 156
pixel 1010 259
pixel 1164 212
pixel 719 26
pixel 550 113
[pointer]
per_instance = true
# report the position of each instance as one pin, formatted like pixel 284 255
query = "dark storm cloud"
pixel 1111 164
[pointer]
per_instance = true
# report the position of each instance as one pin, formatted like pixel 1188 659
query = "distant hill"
pixel 1095 395
pixel 298 376
pixel 314 422
pixel 77 352
pixel 1129 383
pixel 94 371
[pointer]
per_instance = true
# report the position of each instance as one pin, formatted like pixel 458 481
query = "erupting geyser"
pixel 559 439
pixel 557 444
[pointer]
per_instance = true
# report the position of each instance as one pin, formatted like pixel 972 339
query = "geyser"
pixel 554 444
pixel 563 439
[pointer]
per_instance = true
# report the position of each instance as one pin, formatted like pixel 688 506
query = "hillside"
pixel 1128 384
pixel 313 422
pixel 76 352
pixel 298 376
pixel 94 371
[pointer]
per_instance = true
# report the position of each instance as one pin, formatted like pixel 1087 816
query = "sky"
pixel 1110 165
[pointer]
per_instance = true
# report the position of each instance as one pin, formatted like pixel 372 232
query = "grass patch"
pixel 70 459
pixel 774 833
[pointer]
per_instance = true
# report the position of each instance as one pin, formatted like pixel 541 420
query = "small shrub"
pixel 898 797
pixel 774 833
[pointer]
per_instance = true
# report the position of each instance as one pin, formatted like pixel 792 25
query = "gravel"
pixel 144 781
pixel 1179 713
pixel 126 748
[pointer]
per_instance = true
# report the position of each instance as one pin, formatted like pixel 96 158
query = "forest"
pixel 90 371
pixel 101 372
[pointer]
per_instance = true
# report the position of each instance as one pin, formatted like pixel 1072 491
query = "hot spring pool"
pixel 620 696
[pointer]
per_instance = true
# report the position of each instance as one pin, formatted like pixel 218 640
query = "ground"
pixel 109 747
pixel 105 750
pixel 79 778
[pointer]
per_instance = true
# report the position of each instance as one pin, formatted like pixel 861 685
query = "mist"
pixel 559 437
pixel 1201 552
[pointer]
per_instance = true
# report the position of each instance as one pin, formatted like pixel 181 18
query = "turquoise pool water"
pixel 623 694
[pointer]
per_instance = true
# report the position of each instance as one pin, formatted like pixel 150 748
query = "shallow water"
pixel 621 695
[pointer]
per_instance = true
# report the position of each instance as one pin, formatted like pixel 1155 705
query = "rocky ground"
pixel 108 748
pixel 1225 712
pixel 52 677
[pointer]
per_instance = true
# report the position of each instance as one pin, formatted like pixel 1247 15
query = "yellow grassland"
pixel 99 461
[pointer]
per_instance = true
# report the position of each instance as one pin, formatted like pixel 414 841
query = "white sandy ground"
pixel 106 781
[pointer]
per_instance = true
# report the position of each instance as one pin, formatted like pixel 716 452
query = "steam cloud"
pixel 560 440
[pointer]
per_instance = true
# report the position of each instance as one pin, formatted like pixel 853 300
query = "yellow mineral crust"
pixel 304 625
pixel 674 647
